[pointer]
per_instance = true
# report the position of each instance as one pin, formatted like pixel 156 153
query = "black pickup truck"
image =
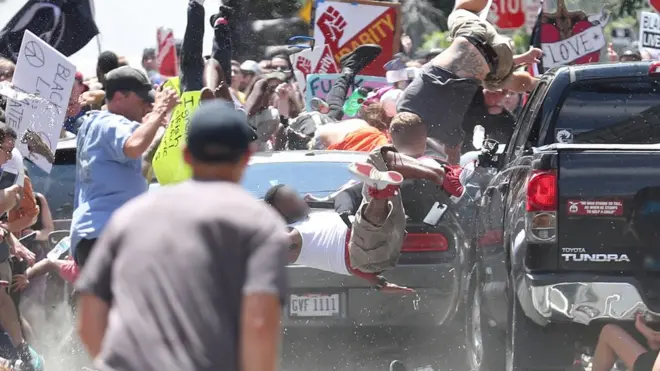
pixel 569 223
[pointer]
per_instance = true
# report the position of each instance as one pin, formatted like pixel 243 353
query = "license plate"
pixel 315 305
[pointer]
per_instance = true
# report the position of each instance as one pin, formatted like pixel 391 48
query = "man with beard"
pixel 478 56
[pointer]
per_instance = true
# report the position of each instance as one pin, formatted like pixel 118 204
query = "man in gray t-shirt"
pixel 190 277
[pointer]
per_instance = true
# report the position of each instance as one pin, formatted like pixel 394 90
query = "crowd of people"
pixel 162 285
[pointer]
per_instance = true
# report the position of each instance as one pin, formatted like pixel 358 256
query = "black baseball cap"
pixel 218 132
pixel 129 79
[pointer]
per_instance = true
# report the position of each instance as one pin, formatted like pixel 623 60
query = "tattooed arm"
pixel 463 59
pixel 147 158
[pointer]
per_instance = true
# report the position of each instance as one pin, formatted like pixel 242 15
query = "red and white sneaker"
pixel 381 184
pixel 456 178
pixel 374 178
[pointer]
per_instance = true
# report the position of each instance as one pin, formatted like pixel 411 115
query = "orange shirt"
pixel 365 139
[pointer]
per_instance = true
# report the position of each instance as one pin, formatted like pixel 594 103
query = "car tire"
pixel 485 346
pixel 530 346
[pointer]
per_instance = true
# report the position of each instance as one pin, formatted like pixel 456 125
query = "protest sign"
pixel 48 75
pixel 173 83
pixel 649 31
pixel 340 26
pixel 319 85
pixel 572 37
pixel 168 163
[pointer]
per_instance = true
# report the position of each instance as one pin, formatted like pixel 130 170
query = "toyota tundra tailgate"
pixel 609 207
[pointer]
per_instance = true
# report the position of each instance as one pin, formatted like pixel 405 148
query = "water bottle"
pixel 59 249
pixel 478 136
pixel 354 102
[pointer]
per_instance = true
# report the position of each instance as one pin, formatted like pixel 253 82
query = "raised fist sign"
pixel 304 65
pixel 332 24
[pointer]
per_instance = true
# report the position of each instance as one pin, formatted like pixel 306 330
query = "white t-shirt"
pixel 323 236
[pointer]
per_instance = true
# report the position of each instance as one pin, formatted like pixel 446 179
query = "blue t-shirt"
pixel 105 177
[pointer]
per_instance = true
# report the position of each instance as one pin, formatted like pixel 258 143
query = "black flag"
pixel 67 25
pixel 535 40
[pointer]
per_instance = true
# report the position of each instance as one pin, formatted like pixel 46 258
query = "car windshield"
pixel 317 178
pixel 610 112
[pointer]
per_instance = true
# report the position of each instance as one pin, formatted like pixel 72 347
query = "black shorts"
pixel 83 249
pixel 646 361
pixel 442 100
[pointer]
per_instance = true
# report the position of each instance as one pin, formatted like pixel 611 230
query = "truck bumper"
pixel 584 302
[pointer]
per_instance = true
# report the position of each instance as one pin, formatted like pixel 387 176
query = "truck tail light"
pixel 425 242
pixel 541 206
pixel 654 70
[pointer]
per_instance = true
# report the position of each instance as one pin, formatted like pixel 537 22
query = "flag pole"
pixel 99 48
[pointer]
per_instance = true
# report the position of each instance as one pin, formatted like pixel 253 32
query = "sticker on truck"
pixel 564 136
pixel 595 208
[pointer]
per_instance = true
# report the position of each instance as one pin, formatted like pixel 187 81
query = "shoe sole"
pixel 370 175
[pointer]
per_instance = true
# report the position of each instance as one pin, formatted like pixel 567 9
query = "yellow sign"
pixel 305 12
pixel 168 163
pixel 173 83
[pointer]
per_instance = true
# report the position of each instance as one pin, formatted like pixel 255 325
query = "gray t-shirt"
pixel 174 265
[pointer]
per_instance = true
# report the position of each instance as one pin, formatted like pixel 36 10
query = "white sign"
pixel 649 31
pixel 314 305
pixel 47 74
pixel 591 40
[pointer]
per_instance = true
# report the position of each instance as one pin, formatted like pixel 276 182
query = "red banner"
pixel 166 58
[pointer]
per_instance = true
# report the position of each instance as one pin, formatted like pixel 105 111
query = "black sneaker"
pixel 223 16
pixel 360 57
pixel 397 366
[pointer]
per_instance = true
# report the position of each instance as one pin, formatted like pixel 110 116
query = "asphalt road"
pixel 372 350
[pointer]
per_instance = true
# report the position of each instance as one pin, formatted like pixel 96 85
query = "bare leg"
pixel 613 343
pixel 9 318
pixel 27 330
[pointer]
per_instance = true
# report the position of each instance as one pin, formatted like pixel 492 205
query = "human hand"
pixel 23 253
pixel 283 90
pixel 19 282
pixel 165 101
pixel 532 56
pixel 612 54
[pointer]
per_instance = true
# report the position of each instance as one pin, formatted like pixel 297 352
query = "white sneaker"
pixel 374 178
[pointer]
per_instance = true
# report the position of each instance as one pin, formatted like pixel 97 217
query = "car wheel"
pixel 484 343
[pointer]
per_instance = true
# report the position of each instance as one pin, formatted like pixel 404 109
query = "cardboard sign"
pixel 166 58
pixel 319 85
pixel 572 37
pixel 649 31
pixel 168 163
pixel 44 72
pixel 341 26
pixel 595 208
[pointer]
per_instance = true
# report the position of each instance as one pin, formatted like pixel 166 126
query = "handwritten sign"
pixel 43 71
pixel 168 163
pixel 319 85
pixel 649 31
pixel 577 43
